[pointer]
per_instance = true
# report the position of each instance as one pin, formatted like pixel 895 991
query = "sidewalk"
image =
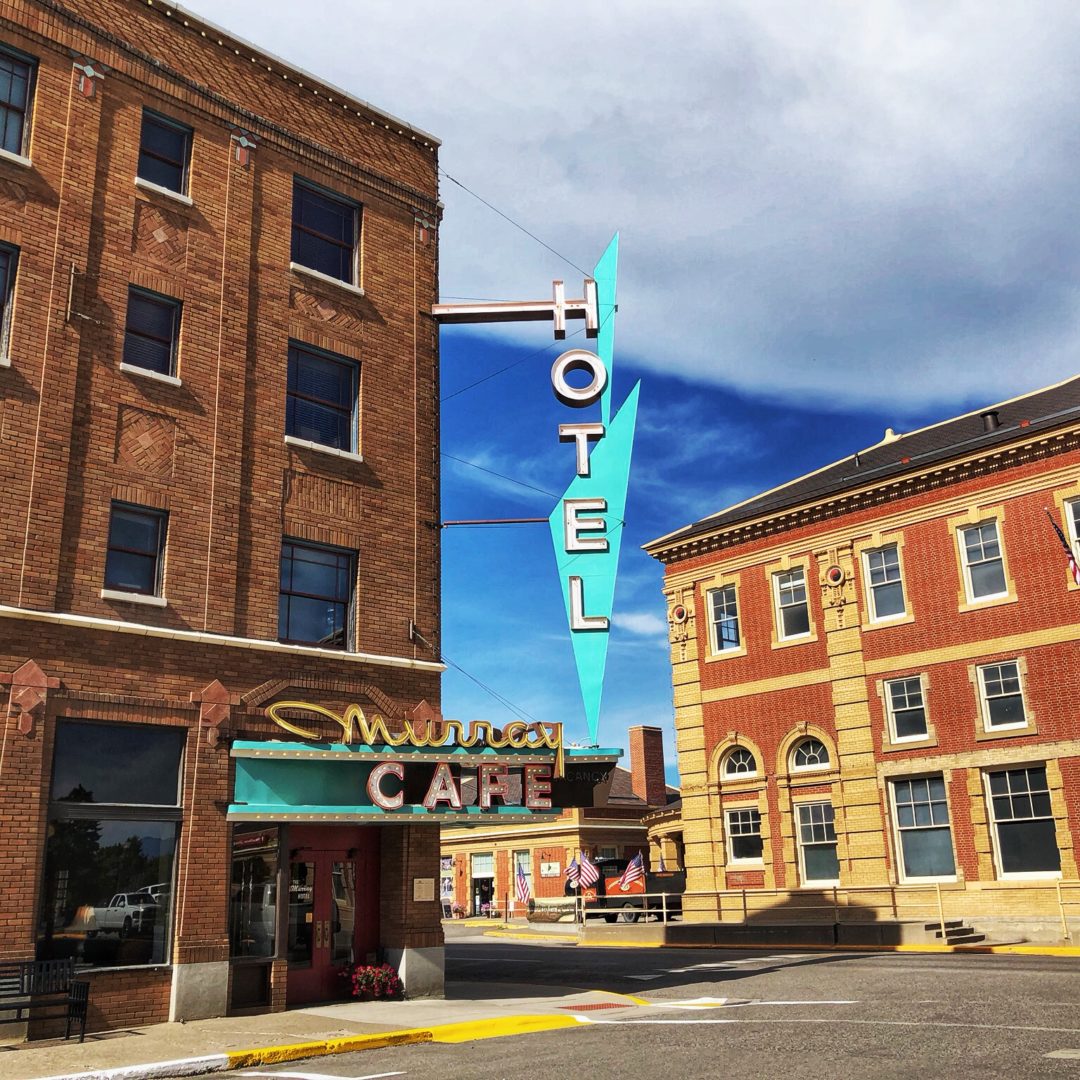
pixel 473 1011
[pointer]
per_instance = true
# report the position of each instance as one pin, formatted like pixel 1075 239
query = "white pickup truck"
pixel 125 913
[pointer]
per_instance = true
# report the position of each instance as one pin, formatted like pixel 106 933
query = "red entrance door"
pixel 333 908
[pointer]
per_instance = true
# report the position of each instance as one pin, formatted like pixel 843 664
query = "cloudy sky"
pixel 834 217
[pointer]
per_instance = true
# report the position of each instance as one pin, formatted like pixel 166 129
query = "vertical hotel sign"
pixel 587 524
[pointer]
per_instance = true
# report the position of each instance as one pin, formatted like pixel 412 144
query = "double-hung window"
pixel 321 398
pixel 724 619
pixel 164 152
pixel 151 332
pixel 315 602
pixel 1002 695
pixel 523 865
pixel 1023 822
pixel 744 836
pixel 817 843
pixel 325 228
pixel 984 567
pixel 922 821
pixel 792 608
pixel 1072 523
pixel 906 709
pixel 16 91
pixel 885 586
pixel 136 551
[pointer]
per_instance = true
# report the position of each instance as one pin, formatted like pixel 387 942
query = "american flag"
pixel 1073 568
pixel 522 885
pixel 573 872
pixel 589 874
pixel 635 871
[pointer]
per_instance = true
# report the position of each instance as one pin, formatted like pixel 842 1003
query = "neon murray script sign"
pixel 354 724
pixel 587 524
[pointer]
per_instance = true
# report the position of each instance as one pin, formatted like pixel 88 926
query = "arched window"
pixel 810 754
pixel 740 762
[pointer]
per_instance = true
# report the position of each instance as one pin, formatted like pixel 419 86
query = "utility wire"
pixel 501 476
pixel 506 217
pixel 505 702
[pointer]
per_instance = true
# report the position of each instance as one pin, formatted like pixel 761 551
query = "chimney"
pixel 990 420
pixel 647 765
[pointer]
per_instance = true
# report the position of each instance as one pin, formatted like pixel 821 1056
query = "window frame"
pixel 779 607
pixel 162 519
pixel 966 564
pixel 730 834
pixel 871 589
pixel 715 646
pixel 176 308
pixel 27 113
pixel 804 879
pixel 891 711
pixel 993 821
pixel 985 698
pixel 7 300
pixel 898 830
pixel 296 350
pixel 725 775
pixel 820 767
pixel 350 604
pixel 186 131
pixel 301 183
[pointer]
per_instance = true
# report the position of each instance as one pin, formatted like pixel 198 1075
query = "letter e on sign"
pixel 538 787
pixel 573 525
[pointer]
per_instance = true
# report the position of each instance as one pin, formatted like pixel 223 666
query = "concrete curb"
pixel 524 935
pixel 466 1031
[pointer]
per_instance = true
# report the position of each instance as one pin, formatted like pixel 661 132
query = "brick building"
pixel 875 676
pixel 479 865
pixel 218 418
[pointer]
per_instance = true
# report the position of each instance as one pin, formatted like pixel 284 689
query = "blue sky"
pixel 834 218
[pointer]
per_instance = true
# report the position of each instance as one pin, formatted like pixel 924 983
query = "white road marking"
pixel 834 1020
pixel 743 1004
pixel 1072 1054
pixel 319 1076
pixel 717 965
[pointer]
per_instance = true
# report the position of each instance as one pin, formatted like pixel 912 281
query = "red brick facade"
pixel 745 690
pixel 207 446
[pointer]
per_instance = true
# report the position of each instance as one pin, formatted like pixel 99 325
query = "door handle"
pixel 318 934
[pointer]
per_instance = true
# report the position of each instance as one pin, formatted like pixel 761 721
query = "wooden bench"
pixel 44 990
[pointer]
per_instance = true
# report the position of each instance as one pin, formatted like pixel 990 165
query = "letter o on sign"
pixel 578 360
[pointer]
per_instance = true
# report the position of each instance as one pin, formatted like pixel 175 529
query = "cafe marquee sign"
pixel 587 524
pixel 349 767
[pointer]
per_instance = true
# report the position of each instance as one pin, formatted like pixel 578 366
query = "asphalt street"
pixel 718 1013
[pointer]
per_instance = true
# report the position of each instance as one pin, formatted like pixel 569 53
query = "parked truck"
pixel 124 914
pixel 660 891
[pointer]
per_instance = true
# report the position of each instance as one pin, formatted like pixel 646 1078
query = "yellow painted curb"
pixel 525 936
pixel 469 1030
pixel 347 1044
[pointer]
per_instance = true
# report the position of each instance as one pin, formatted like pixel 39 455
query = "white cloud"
pixel 842 202
pixel 644 623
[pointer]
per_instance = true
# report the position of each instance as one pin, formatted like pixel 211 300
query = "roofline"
pixel 169 10
pixel 661 541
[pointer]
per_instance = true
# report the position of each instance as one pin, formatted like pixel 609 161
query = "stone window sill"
pixel 16 159
pixel 321 448
pixel 157 189
pixel 146 373
pixel 134 597
pixel 326 279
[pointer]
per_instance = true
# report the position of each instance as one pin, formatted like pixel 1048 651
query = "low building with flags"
pixel 876 704
pixel 483 865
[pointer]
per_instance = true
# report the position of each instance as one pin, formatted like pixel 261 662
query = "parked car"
pixel 124 914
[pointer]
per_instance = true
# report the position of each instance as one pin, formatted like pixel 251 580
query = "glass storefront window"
pixel 253 897
pixel 301 912
pixel 114 820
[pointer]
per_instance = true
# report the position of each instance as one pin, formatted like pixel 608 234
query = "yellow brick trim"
pixel 1012 643
pixel 768 686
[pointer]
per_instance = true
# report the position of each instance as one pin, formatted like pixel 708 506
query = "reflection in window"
pixel 1024 821
pixel 253 903
pixel 725 619
pixel 922 816
pixel 301 912
pixel 793 611
pixel 315 601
